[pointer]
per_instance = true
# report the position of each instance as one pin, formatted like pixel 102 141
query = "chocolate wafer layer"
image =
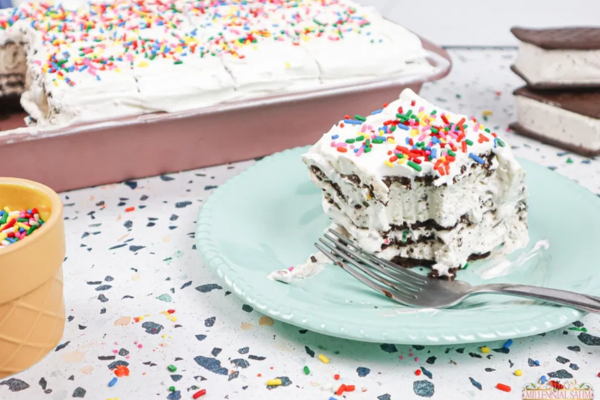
pixel 570 38
pixel 9 104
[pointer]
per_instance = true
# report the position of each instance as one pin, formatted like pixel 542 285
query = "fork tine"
pixel 406 281
pixel 394 270
pixel 382 279
pixel 388 292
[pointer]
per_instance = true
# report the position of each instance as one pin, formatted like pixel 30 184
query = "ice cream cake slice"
pixel 418 185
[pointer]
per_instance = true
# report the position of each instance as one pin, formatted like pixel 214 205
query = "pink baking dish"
pixel 113 151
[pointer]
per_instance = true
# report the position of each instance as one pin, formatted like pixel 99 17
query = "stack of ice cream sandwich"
pixel 560 104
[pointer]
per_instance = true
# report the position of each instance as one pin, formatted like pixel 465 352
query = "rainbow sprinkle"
pixel 119 35
pixel 426 138
pixel 16 225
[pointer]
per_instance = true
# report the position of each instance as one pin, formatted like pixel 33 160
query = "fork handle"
pixel 576 300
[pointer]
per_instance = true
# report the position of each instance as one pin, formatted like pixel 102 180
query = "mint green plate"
pixel 269 216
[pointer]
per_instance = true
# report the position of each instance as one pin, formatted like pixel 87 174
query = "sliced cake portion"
pixel 566 119
pixel 55 97
pixel 419 185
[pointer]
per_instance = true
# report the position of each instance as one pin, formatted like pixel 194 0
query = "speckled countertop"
pixel 125 269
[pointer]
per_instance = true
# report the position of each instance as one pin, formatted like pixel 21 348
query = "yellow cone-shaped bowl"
pixel 32 312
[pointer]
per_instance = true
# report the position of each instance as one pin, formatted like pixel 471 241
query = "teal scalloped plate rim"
pixel 269 216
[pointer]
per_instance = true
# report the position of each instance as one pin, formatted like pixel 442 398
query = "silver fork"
pixel 411 289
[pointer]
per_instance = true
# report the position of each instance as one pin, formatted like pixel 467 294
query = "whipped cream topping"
pixel 387 142
pixel 122 58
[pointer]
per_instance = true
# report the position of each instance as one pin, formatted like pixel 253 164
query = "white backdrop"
pixel 485 22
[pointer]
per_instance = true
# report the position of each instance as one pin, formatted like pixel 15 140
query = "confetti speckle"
pixel 475 383
pixel 16 385
pixel 119 363
pixel 423 388
pixel 175 395
pixel 165 297
pixel 152 327
pixel 588 339
pixel 247 308
pixel 309 351
pixel 389 348
pixel 208 288
pixel 240 362
pixel 211 364
pixel 246 326
pixel 266 321
pixel 62 346
pixel 285 381
pixel 233 375
pixel 123 321
pixel 560 374
pixel 132 184
pixel 427 373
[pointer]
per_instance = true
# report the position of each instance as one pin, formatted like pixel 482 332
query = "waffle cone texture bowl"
pixel 32 313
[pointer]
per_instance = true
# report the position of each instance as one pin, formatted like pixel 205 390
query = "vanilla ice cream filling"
pixel 558 124
pixel 566 67
pixel 473 217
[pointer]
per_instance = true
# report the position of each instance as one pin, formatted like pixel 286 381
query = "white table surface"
pixel 121 265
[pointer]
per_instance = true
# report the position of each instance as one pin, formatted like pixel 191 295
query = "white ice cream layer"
pixel 565 67
pixel 558 124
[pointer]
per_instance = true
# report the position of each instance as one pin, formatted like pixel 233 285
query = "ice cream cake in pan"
pixel 114 59
pixel 419 185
